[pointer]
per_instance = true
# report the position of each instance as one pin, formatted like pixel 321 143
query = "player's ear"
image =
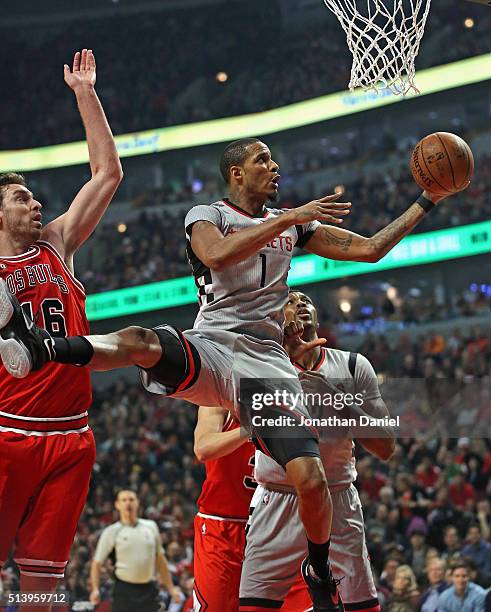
pixel 235 172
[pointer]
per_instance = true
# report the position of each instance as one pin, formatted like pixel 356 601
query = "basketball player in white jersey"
pixel 276 542
pixel 240 251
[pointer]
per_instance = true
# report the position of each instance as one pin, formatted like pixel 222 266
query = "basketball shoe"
pixel 324 592
pixel 24 347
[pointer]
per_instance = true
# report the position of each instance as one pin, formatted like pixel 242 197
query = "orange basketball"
pixel 442 163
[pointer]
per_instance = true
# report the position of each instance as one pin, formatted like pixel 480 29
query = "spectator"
pixel 417 551
pixel 388 575
pixel 452 546
pixel 479 551
pixel 461 492
pixel 463 595
pixel 405 595
pixel 435 572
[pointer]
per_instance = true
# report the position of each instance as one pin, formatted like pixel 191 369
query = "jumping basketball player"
pixel 46 447
pixel 240 252
pixel 275 541
pixel 223 509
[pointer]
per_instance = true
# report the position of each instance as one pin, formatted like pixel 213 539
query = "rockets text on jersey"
pixel 55 398
pixel 249 296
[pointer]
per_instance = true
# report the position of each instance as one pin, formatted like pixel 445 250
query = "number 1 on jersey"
pixel 263 269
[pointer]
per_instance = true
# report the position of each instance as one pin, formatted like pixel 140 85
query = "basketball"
pixel 442 163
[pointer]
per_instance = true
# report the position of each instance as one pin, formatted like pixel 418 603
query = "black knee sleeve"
pixel 180 364
pixel 283 442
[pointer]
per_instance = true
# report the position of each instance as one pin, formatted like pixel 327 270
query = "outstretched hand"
pixel 323 209
pixel 293 343
pixel 438 197
pixel 83 71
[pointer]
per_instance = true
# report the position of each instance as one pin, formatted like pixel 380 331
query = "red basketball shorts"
pixel 218 554
pixel 43 486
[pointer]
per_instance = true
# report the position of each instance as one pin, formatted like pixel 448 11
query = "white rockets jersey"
pixel 337 454
pixel 247 297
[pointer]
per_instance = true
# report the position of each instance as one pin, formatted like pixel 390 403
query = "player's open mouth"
pixel 275 181
pixel 303 312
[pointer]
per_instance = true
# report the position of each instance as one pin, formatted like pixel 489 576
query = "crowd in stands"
pixel 152 248
pixel 426 509
pixel 149 78
pixel 375 311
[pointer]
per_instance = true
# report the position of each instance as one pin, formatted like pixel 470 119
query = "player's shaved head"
pixel 235 154
pixel 10 178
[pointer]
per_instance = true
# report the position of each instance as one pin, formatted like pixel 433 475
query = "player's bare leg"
pixel 25 347
pixel 36 584
pixel 132 346
pixel 315 507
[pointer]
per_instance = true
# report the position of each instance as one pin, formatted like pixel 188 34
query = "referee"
pixel 137 552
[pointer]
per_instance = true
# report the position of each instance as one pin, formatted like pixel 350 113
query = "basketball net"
pixel 384 38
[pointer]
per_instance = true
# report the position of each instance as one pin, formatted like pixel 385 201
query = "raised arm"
pixel 217 251
pixel 69 231
pixel 210 442
pixel 338 243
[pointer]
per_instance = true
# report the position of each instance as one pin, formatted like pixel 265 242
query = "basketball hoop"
pixel 384 38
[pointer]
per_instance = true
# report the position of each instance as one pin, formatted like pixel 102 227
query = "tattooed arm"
pixel 341 244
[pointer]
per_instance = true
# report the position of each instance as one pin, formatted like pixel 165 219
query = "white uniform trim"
pixel 42 562
pixel 42 575
pixel 221 518
pixel 29 254
pixel 44 419
pixel 44 433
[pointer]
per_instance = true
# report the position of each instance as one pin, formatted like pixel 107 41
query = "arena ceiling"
pixel 30 11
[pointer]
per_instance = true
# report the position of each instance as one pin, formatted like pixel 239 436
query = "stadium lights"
pixel 222 77
pixel 345 306
pixel 469 22
pixel 316 110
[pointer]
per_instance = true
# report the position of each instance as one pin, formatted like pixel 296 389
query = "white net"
pixel 384 38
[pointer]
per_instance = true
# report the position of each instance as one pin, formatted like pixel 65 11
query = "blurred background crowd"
pixel 160 68
pixel 430 503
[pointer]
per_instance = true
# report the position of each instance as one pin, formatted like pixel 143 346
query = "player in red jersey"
pixel 223 509
pixel 46 447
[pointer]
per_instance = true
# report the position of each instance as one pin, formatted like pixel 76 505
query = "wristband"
pixel 425 204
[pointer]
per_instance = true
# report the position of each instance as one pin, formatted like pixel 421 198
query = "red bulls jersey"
pixel 229 485
pixel 56 397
